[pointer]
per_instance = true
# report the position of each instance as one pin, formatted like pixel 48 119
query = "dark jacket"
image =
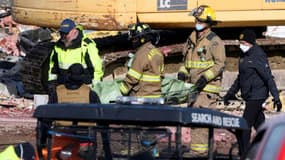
pixel 254 79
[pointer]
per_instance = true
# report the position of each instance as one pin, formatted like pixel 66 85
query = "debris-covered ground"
pixel 16 130
pixel 16 122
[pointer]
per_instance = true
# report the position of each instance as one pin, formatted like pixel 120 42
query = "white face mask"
pixel 199 27
pixel 244 48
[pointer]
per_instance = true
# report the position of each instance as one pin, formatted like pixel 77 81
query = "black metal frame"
pixel 142 115
pixel 91 134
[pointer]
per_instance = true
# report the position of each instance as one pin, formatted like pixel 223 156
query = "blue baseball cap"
pixel 66 25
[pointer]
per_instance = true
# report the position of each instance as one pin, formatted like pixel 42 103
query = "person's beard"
pixel 65 41
pixel 68 41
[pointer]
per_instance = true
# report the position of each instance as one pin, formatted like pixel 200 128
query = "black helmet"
pixel 142 33
pixel 138 30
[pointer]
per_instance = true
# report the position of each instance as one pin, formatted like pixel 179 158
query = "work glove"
pixel 228 97
pixel 181 76
pixel 277 105
pixel 193 94
pixel 201 83
pixel 196 89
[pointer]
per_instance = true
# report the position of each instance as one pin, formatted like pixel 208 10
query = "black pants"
pixel 254 116
pixel 106 142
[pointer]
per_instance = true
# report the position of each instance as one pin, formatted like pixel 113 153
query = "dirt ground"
pixel 16 125
pixel 12 132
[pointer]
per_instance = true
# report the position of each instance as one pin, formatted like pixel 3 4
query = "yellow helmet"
pixel 205 13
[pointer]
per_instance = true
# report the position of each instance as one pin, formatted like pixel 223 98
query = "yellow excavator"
pixel 166 14
pixel 169 16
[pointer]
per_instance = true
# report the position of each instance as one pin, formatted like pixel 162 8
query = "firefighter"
pixel 21 151
pixel 144 75
pixel 73 47
pixel 254 80
pixel 204 62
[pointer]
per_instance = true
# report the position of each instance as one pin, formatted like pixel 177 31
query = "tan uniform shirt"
pixel 205 56
pixel 144 76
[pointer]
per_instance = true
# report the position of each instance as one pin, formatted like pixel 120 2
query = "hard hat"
pixel 138 30
pixel 205 13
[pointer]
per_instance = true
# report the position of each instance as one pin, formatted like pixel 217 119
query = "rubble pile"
pixel 9 31
pixel 8 45
pixel 11 107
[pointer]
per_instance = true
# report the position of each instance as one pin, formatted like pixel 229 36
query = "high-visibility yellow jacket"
pixel 144 76
pixel 9 154
pixel 83 51
pixel 205 56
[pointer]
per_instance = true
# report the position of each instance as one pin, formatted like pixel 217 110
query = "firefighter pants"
pixel 199 136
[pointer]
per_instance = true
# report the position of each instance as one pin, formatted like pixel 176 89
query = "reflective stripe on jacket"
pixel 86 54
pixel 144 76
pixel 205 56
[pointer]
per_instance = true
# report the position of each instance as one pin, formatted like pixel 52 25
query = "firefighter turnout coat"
pixel 205 56
pixel 144 76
